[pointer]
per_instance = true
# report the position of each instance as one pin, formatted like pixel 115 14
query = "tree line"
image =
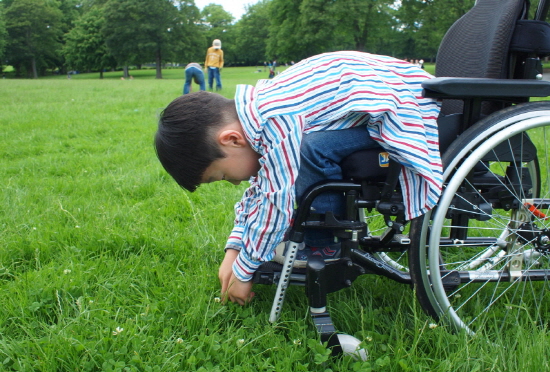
pixel 41 36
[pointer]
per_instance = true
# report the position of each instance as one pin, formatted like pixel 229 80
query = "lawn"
pixel 107 265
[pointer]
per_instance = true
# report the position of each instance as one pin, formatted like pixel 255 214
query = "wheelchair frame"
pixel 475 199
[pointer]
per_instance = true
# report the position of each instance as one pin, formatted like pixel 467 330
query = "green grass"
pixel 106 265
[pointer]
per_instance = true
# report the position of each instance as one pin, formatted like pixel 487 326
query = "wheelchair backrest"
pixel 477 44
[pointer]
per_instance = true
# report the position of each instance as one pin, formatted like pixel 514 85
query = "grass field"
pixel 106 265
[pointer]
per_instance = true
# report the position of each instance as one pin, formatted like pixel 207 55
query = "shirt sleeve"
pixel 264 213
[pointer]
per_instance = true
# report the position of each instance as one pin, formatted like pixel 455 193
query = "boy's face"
pixel 239 165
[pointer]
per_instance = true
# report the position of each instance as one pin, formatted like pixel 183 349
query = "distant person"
pixel 193 72
pixel 214 64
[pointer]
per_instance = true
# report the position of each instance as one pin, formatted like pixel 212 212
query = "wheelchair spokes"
pixel 490 238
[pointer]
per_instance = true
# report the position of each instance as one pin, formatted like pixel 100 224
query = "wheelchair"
pixel 482 255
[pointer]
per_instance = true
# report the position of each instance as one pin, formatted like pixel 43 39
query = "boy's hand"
pixel 232 288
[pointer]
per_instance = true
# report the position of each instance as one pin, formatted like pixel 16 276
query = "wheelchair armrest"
pixel 457 88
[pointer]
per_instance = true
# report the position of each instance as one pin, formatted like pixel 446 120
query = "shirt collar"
pixel 251 120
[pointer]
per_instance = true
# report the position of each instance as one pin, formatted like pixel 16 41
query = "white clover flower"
pixel 369 339
pixel 432 326
pixel 117 331
pixel 297 342
pixel 240 341
pixel 67 271
pixel 77 227
pixel 179 341
pixel 217 299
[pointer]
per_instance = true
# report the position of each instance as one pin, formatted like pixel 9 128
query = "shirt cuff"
pixel 244 267
pixel 235 240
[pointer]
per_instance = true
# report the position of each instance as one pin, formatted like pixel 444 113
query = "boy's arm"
pixel 233 289
pixel 264 213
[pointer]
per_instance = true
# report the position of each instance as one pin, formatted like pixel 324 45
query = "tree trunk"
pixel 159 67
pixel 126 74
pixel 34 72
pixel 101 73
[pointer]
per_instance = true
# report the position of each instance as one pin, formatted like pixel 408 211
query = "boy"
pixel 214 64
pixel 193 72
pixel 288 133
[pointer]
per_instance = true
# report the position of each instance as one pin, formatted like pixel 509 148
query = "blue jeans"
pixel 320 156
pixel 193 73
pixel 214 72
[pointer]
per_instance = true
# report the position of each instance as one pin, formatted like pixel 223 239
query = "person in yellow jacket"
pixel 214 63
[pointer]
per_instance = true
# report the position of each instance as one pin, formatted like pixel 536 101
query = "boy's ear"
pixel 232 138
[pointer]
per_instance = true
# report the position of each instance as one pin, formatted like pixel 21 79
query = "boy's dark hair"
pixel 184 141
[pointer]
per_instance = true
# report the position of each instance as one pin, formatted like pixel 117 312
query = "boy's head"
pixel 185 139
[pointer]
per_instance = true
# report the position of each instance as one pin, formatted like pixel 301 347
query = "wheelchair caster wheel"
pixel 350 346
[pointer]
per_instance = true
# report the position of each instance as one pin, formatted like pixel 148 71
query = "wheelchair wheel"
pixel 482 258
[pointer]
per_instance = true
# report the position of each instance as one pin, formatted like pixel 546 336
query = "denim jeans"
pixel 196 74
pixel 320 157
pixel 214 72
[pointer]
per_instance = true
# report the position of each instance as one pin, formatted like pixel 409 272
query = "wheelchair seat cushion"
pixel 371 165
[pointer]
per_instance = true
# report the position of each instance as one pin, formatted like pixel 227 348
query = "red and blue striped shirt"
pixel 330 91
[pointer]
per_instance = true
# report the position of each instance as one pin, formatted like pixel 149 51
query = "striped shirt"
pixel 330 91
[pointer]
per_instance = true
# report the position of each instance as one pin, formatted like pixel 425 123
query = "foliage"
pixel 137 32
pixel 284 36
pixel 303 28
pixel 34 35
pixel 191 45
pixel 3 34
pixel 423 24
pixel 85 47
pixel 140 31
pixel 251 35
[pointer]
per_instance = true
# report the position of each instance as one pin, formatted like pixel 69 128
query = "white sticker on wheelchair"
pixel 484 275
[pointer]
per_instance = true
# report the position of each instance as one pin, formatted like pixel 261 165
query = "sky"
pixel 235 7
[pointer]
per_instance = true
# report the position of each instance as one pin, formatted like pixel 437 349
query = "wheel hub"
pixel 539 238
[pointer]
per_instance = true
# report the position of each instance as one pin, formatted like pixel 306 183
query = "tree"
pixel 217 20
pixel 251 33
pixel 422 24
pixel 303 28
pixel 139 31
pixel 3 35
pixel 34 30
pixel 190 47
pixel 85 47
pixel 284 32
